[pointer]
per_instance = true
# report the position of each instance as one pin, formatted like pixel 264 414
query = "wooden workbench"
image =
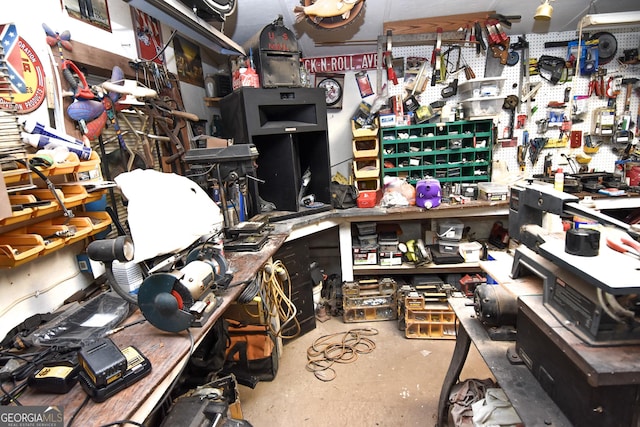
pixel 168 353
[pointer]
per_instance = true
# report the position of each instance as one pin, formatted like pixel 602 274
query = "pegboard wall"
pixel 603 160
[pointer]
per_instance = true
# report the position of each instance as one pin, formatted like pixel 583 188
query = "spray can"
pixel 41 141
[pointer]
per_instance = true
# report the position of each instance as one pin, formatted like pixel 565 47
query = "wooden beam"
pixel 430 25
pixel 97 61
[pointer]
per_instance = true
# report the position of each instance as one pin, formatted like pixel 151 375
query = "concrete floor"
pixel 397 384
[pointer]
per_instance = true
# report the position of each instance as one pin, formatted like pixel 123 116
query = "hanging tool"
pixel 510 104
pixel 522 151
pixel 626 122
pixel 523 45
pixel 452 88
pixel 536 145
pixel 499 43
pixel 435 57
pixel 553 64
pixel 481 47
pixel 411 103
pixel 388 60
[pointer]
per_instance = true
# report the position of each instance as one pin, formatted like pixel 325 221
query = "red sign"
pixel 341 63
pixel 24 71
pixel 148 36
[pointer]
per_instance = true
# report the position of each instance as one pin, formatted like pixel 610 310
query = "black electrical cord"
pixel 117 423
pixel 10 396
pixel 250 291
pixel 77 411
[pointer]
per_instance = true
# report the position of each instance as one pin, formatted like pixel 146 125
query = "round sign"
pixel 25 73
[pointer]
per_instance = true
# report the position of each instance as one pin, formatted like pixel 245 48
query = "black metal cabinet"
pixel 295 256
pixel 289 128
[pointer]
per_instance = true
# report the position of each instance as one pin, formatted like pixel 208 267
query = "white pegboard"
pixel 604 160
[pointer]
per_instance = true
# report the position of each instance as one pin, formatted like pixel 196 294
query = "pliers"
pixel 624 245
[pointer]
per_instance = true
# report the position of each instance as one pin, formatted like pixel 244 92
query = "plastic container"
pixel 482 107
pixel 558 180
pixel 482 87
pixel 450 230
pixel 470 251
pixel 449 246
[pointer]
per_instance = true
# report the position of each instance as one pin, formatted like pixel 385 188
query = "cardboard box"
pixel 492 191
pixel 365 256
pixel 389 255
pixel 205 141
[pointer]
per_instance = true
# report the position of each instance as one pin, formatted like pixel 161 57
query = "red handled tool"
pixel 624 245
pixel 388 59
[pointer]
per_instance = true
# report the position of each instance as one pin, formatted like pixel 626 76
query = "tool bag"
pixel 343 196
pixel 251 355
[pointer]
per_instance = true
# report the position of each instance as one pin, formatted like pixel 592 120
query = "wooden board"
pixel 430 25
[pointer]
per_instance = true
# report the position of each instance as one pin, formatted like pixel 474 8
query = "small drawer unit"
pixel 369 300
pixel 429 320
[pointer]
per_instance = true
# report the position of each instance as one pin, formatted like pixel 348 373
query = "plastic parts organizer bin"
pixel 481 87
pixel 482 107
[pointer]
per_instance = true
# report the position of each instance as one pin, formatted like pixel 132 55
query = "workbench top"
pixel 166 351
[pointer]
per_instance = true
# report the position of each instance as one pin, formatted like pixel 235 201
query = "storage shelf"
pixel 364 270
pixel 29 233
pixel 449 152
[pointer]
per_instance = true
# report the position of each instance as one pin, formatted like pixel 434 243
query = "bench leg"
pixel 463 342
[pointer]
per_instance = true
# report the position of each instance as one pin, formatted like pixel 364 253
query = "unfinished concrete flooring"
pixel 396 384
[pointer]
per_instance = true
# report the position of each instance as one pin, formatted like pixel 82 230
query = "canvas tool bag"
pixel 343 196
pixel 251 354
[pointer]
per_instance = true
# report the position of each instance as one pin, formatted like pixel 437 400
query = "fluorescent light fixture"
pixel 544 11
pixel 609 20
pixel 175 14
